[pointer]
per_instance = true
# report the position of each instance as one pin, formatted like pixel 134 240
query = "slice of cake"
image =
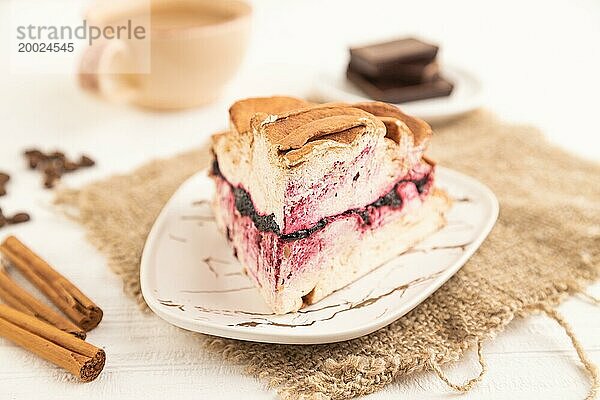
pixel 313 196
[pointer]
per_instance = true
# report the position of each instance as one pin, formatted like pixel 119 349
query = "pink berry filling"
pixel 273 258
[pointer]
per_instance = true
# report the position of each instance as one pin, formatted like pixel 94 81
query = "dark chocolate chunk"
pixel 403 74
pixel 381 59
pixel 390 92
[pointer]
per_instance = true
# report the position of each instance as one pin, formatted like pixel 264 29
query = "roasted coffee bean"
pixel 50 180
pixel 54 167
pixel 69 166
pixel 19 218
pixel 34 162
pixel 34 157
pixel 54 164
pixel 4 178
pixel 33 153
pixel 57 155
pixel 85 161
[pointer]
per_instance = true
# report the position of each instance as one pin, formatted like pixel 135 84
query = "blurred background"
pixel 538 62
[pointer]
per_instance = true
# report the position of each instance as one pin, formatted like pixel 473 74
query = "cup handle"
pixel 99 71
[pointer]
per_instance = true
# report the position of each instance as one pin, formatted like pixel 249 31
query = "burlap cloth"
pixel 545 245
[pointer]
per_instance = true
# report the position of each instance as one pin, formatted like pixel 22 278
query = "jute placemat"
pixel 545 245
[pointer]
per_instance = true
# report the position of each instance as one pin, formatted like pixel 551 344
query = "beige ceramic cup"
pixel 194 49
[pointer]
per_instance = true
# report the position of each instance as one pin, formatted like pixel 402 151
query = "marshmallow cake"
pixel 313 196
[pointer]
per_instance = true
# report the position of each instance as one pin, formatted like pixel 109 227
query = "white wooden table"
pixel 539 64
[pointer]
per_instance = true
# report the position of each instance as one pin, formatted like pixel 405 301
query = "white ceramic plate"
pixel 191 279
pixel 466 96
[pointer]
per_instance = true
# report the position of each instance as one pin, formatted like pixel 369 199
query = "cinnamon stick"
pixel 18 298
pixel 82 359
pixel 66 296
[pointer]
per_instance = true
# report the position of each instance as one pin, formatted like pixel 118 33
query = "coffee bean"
pixel 54 167
pixel 34 162
pixel 4 178
pixel 70 166
pixel 54 164
pixel 19 218
pixel 85 161
pixel 50 180
pixel 34 157
pixel 57 155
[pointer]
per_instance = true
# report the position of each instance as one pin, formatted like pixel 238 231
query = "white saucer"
pixel 466 96
pixel 191 279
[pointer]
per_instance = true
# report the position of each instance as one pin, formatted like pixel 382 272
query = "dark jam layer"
pixel 266 223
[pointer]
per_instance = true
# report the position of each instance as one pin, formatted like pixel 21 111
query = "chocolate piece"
pixel 382 59
pixel 404 74
pixel 392 93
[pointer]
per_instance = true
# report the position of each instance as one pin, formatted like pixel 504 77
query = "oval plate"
pixel 190 278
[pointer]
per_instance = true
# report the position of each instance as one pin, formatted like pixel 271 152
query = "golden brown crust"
pixel 242 111
pixel 297 130
pixel 343 138
pixel 294 129
pixel 420 130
